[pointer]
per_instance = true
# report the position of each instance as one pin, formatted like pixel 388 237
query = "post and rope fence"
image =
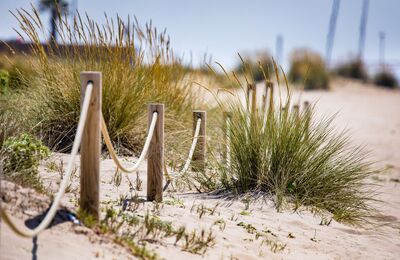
pixel 91 127
pixel 199 133
pixel 64 183
pixel 155 158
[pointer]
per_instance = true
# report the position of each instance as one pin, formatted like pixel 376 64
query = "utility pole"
pixel 279 49
pixel 363 28
pixel 331 31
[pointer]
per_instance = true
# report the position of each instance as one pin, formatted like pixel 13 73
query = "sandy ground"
pixel 370 114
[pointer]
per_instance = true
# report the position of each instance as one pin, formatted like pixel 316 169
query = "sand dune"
pixel 370 113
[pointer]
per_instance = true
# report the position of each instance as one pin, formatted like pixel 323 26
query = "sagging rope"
pixel 228 143
pixel 54 206
pixel 112 152
pixel 188 160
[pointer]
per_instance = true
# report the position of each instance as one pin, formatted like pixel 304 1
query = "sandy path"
pixel 370 114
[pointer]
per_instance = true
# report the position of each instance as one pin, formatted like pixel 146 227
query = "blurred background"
pixel 339 31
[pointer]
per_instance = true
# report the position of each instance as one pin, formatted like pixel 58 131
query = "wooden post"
pixel 227 117
pixel 306 105
pixel 296 109
pixel 155 158
pixel 268 85
pixel 91 146
pixel 199 155
pixel 253 89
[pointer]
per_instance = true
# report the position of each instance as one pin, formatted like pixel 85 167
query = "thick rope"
pixel 112 152
pixel 188 160
pixel 228 143
pixel 54 206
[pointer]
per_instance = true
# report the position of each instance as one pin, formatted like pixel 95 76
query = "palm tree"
pixel 55 7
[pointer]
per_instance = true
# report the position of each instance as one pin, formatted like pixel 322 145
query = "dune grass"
pixel 308 68
pixel 137 64
pixel 298 159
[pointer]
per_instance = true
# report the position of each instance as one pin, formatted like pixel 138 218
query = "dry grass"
pixel 137 64
pixel 299 160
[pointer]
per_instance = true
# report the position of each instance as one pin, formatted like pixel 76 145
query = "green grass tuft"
pixel 296 158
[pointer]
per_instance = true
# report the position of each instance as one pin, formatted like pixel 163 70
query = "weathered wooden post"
pixel 91 146
pixel 199 155
pixel 155 157
pixel 253 89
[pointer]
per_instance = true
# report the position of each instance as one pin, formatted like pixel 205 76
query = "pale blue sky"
pixel 222 28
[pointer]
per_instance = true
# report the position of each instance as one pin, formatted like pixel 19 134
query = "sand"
pixel 370 114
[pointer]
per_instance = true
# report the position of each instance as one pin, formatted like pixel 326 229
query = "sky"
pixel 223 28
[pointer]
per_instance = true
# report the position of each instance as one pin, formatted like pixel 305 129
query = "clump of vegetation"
pixel 354 68
pixel 386 78
pixel 21 160
pixel 298 159
pixel 251 64
pixel 133 231
pixel 308 68
pixel 3 82
pixel 137 65
pixel 19 75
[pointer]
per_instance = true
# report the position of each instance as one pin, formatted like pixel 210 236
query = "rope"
pixel 228 143
pixel 144 151
pixel 189 159
pixel 54 206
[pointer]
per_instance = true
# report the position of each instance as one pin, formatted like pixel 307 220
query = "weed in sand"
pixel 220 223
pixel 174 202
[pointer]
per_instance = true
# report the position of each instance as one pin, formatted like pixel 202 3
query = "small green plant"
pixel 248 227
pixel 220 223
pixel 175 202
pixel 386 78
pixel 201 209
pixel 308 68
pixel 138 182
pixel 129 229
pixel 274 245
pixel 22 156
pixel 117 178
pixel 198 243
pixel 87 219
pixel 245 213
